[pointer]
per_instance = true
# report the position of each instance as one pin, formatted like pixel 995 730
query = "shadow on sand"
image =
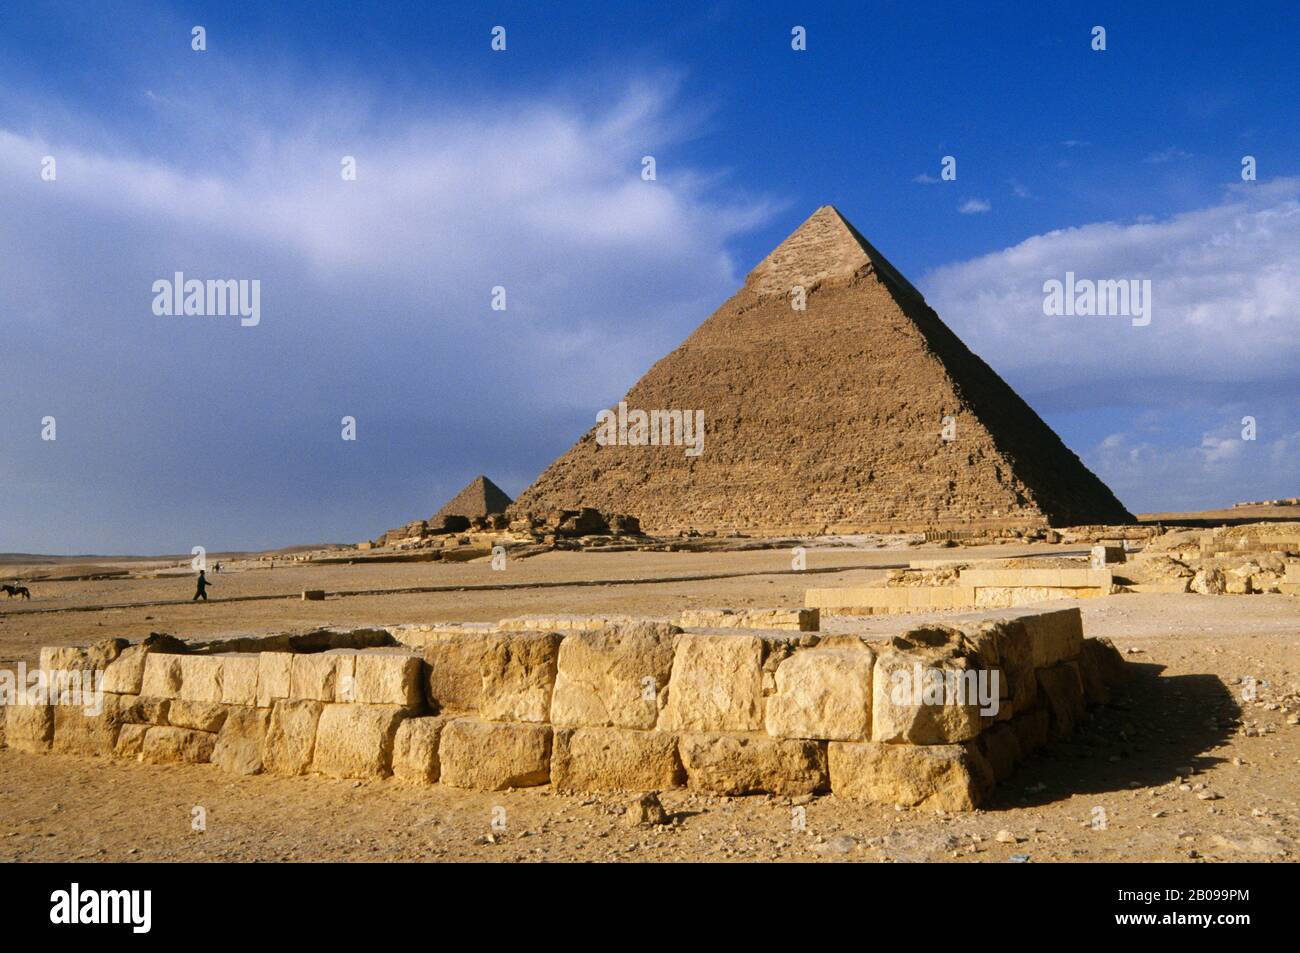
pixel 1152 731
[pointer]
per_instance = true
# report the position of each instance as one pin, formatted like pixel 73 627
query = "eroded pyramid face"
pixel 825 395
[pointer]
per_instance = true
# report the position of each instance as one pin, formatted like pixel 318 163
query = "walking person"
pixel 202 591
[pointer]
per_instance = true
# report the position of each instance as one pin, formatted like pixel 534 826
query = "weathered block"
pixel 716 684
pixel 143 709
pixel 1061 685
pixel 29 727
pixel 823 694
pixel 130 741
pixel 793 620
pixel 1031 728
pixel 614 677
pixel 493 756
pixel 239 679
pixel 201 716
pixel 614 759
pixel 1000 746
pixel 176 746
pixel 941 777
pixel 125 674
pixel 201 678
pixel 238 748
pixel 455 665
pixel 356 741
pixel 319 676
pixel 415 749
pixel 519 676
pixel 1054 636
pixel 291 737
pixel 382 679
pixel 927 694
pixel 746 764
pixel 79 732
pixel 162 676
pixel 274 677
pixel 1015 661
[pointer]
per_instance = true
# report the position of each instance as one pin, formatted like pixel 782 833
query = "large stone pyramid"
pixel 481 497
pixel 830 419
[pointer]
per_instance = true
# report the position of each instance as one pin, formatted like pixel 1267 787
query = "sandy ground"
pixel 1179 768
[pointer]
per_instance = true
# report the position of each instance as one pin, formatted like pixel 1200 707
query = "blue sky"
pixel 521 169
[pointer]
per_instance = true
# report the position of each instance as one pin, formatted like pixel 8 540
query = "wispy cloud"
pixel 375 303
pixel 974 207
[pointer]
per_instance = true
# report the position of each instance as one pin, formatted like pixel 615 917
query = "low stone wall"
pixel 973 589
pixel 631 706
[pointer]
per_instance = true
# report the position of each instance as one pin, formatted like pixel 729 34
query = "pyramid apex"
pixel 825 247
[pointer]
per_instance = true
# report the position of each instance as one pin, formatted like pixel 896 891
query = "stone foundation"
pixel 627 706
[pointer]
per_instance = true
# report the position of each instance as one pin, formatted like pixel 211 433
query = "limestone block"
pixel 201 677
pixel 716 684
pixel 239 679
pixel 130 741
pixel 125 674
pixel 518 673
pixel 79 732
pixel 750 763
pixel 382 679
pixel 1031 728
pixel 166 745
pixel 927 694
pixel 274 677
pixel 614 759
pixel 455 666
pixel 201 716
pixel 162 676
pixel 415 749
pixel 1000 746
pixel 29 727
pixel 238 749
pixel 1061 686
pixel 1106 660
pixel 291 736
pixel 941 777
pixel 494 756
pixel 823 693
pixel 560 623
pixel 1016 661
pixel 143 709
pixel 613 677
pixel 356 740
pixel 1054 636
pixel 320 676
pixel 794 620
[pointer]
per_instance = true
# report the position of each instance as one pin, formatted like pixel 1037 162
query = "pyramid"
pixel 481 497
pixel 829 419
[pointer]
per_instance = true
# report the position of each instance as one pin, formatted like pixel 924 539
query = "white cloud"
pixel 375 303
pixel 1225 303
pixel 925 178
pixel 974 207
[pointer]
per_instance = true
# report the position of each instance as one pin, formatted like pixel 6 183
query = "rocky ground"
pixel 1179 768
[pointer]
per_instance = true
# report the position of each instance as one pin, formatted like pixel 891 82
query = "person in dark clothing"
pixel 202 591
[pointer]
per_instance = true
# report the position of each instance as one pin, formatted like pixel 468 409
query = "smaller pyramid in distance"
pixel 481 497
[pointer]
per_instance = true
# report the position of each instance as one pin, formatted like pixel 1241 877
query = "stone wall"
pixel 630 706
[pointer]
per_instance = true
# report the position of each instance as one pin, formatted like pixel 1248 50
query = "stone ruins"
pixel 725 702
